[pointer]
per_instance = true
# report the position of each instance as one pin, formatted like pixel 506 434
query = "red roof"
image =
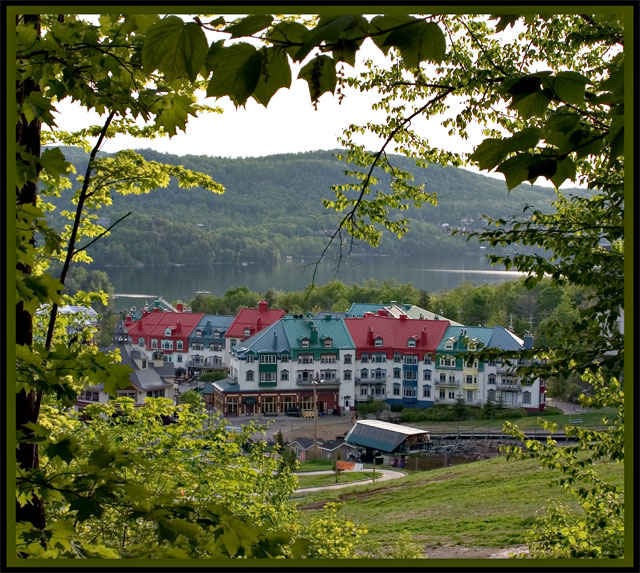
pixel 395 333
pixel 153 325
pixel 255 319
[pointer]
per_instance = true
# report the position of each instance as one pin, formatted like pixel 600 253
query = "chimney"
pixel 263 306
pixel 528 341
pixel 179 307
pixel 382 312
pixel 140 325
pixel 370 337
pixel 259 323
pixel 179 326
pixel 403 317
pixel 156 309
pixel 423 337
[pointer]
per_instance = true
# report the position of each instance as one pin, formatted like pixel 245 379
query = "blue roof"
pixel 209 324
pixel 481 334
pixel 505 340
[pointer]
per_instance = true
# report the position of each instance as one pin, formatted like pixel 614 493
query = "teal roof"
pixel 271 339
pixel 296 329
pixel 359 308
pixel 481 334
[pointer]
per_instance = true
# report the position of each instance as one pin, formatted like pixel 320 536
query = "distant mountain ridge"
pixel 272 208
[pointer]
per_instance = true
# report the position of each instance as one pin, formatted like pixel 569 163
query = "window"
pixel 364 373
pixel 411 343
pixel 305 358
pixel 198 333
pixel 410 375
pixel 167 331
pixel 492 378
pixel 179 345
pixel 215 346
pixel 328 375
pixel 328 359
pixel 442 395
pixel 396 389
pixel 249 358
pixel 443 378
pixel 397 373
pixel 168 358
pixel 328 343
pixel 364 390
pixel 452 395
pixel 526 397
pixel 472 363
pixel 267 359
pixel 90 396
pixel 284 358
pixel 347 358
pixel 156 394
pixel 397 357
pixel 247 332
pixel 427 375
pixel 410 359
pixel 469 379
pixel 267 376
pixel 491 395
pixel 472 346
pixel 492 362
pixel 140 341
pixel 197 346
pixel 452 379
pixel 409 391
pixel 470 395
pixel 379 374
pixel 364 358
pixel 347 374
pixel 249 375
pixel 216 334
pixel 167 344
pixel 179 358
pixel 154 343
pixel 377 342
pixel 448 345
pixel 305 343
pixel 426 391
pixel 378 357
pixel 427 358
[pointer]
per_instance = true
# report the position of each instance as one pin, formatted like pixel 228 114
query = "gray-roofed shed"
pixel 386 437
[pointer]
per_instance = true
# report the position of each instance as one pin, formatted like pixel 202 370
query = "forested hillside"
pixel 272 208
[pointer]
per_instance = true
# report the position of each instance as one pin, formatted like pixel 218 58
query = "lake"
pixel 433 273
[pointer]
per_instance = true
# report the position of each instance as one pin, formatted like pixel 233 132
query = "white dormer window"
pixel 247 332
pixel 167 331
pixel 216 334
pixel 411 343
pixel 448 345
pixel 328 343
pixel 198 333
pixel 304 343
pixel 472 346
pixel 378 342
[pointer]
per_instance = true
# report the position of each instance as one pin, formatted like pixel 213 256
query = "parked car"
pixel 293 411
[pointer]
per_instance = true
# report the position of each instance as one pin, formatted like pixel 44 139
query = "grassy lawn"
pixel 330 479
pixel 316 465
pixel 487 503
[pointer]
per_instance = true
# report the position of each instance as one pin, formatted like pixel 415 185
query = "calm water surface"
pixel 432 273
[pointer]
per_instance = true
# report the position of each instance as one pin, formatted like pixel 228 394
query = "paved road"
pixel 386 475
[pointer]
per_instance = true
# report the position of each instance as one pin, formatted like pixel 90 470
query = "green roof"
pixel 316 330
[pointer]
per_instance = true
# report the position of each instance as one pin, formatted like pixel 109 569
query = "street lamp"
pixel 375 453
pixel 315 414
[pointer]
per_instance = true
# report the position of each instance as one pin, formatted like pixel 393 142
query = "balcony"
pixel 449 383
pixel 324 384
pixel 509 386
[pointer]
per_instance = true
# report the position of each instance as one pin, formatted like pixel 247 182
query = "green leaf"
pixel 418 42
pixel 516 169
pixel 568 86
pixel 382 26
pixel 504 21
pixel 85 508
pixel 289 35
pixel 489 153
pixel 616 136
pixel 275 74
pixel 236 71
pixel 175 48
pixel 175 113
pixel 329 30
pixel 533 104
pixel 65 449
pixel 54 163
pixel 320 74
pixel 566 169
pixel 249 25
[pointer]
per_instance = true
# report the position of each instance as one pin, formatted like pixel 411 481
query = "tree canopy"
pixel 547 91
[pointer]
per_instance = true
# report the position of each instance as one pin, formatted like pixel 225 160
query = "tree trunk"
pixel 27 404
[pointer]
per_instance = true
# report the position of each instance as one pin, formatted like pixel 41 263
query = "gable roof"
pixel 154 324
pixel 505 339
pixel 413 311
pixel 395 333
pixel 360 308
pixel 272 339
pixel 379 435
pixel 208 324
pixel 255 319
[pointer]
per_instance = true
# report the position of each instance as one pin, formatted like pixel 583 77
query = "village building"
pixel 206 345
pixel 377 437
pixel 247 323
pixel 297 363
pixel 150 378
pixel 395 358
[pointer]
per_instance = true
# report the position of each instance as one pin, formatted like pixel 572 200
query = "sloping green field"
pixel 486 503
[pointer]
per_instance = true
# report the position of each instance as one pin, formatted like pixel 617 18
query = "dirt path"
pixel 386 475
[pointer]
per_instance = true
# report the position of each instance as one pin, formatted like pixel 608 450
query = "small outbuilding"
pixel 388 438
